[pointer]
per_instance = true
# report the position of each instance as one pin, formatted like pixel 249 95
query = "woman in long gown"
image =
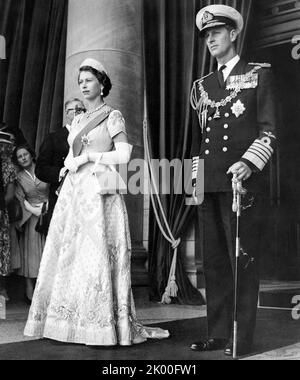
pixel 83 292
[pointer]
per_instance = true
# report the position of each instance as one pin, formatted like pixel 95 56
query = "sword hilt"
pixel 238 191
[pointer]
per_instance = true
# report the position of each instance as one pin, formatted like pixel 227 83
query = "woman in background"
pixel 7 191
pixel 33 194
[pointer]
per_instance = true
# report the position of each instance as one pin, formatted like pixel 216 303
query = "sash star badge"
pixel 85 140
pixel 238 108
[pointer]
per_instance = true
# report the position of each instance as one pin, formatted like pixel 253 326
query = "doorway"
pixel 282 238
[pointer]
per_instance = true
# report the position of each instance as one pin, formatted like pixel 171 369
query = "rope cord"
pixel 171 288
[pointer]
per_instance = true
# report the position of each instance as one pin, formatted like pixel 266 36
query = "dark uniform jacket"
pixel 242 128
pixel 50 161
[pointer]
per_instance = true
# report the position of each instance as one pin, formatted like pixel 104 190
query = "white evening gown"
pixel 83 292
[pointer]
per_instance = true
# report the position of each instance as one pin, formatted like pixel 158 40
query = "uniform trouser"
pixel 218 231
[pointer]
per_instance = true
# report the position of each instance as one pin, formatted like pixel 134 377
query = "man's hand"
pixel 242 171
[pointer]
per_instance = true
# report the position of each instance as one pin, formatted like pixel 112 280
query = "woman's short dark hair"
pixel 102 77
pixel 19 147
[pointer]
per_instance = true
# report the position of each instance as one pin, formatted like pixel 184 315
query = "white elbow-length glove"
pixel 121 155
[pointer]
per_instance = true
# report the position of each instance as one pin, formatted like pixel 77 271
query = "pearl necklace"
pixel 89 113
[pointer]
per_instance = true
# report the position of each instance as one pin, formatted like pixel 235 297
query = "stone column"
pixel 111 32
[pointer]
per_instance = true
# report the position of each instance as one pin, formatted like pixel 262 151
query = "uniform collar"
pixel 68 126
pixel 230 65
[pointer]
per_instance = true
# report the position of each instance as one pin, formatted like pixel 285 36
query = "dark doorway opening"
pixel 281 240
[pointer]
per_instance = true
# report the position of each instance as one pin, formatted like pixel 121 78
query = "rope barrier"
pixel 171 290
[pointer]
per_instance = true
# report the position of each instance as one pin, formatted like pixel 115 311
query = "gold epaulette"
pixel 268 65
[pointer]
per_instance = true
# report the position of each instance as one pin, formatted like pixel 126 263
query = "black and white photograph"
pixel 149 183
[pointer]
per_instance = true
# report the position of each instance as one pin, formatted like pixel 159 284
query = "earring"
pixel 101 92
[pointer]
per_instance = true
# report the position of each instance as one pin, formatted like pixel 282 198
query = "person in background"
pixel 32 193
pixel 53 151
pixel 7 191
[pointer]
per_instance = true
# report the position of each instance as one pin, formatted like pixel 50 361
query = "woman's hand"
pixel 27 205
pixel 73 164
pixel 35 210
pixel 70 164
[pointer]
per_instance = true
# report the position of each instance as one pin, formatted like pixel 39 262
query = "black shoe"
pixel 209 345
pixel 243 349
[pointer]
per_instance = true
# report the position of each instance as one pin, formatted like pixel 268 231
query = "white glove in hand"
pixel 116 157
pixel 73 164
pixel 70 164
pixel 35 210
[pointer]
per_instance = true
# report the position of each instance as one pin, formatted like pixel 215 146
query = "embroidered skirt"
pixel 83 292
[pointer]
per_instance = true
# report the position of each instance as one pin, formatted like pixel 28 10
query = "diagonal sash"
pixel 77 143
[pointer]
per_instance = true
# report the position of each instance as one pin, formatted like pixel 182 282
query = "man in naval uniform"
pixel 235 107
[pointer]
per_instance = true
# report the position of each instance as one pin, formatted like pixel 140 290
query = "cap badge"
pixel 207 16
